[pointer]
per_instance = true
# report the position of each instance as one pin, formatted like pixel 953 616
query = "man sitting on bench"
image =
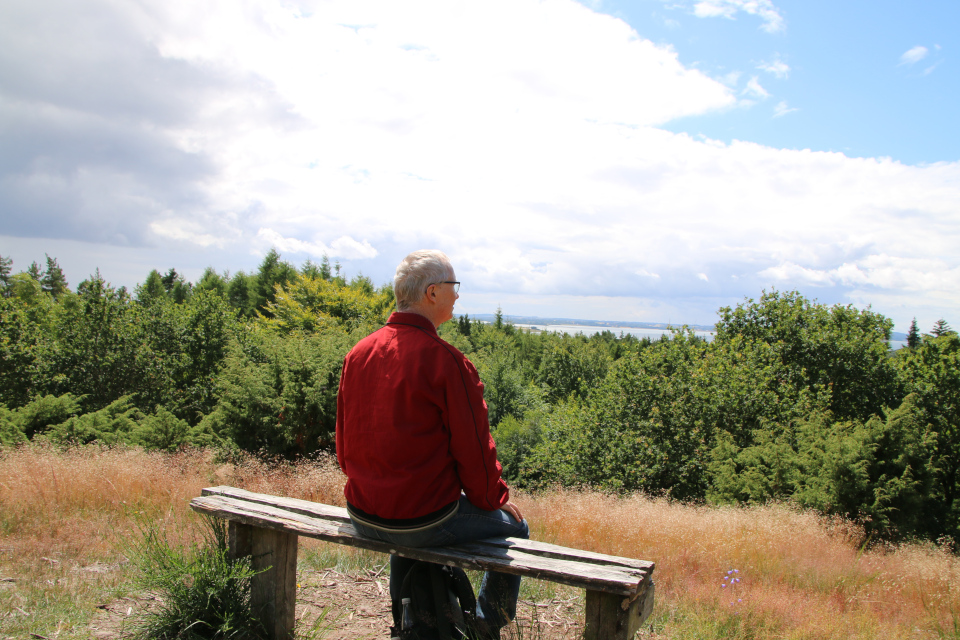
pixel 413 437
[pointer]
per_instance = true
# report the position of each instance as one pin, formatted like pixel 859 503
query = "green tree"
pixel 839 350
pixel 170 280
pixel 639 430
pixel 241 294
pixel 273 272
pixel 96 346
pixel 913 335
pixel 941 328
pixel 5 264
pixel 212 281
pixel 25 334
pixel 53 280
pixel 572 366
pixel 152 288
pixel 931 372
pixel 312 304
pixel 278 394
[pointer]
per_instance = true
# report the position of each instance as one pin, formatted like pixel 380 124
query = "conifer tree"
pixel 273 271
pixel 152 288
pixel 5 276
pixel 325 271
pixel 34 271
pixel 170 279
pixel 941 328
pixel 913 335
pixel 53 281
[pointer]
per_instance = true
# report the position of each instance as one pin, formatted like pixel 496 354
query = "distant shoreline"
pixel 489 317
pixel 895 336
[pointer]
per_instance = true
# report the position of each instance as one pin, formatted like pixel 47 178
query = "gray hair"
pixel 416 272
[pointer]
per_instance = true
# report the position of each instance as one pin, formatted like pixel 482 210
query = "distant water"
pixel 653 334
pixel 573 329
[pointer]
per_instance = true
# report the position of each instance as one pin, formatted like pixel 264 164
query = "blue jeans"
pixel 497 600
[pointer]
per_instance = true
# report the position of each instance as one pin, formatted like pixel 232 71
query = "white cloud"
pixel 770 14
pixel 755 90
pixel 783 109
pixel 777 67
pixel 881 271
pixel 342 247
pixel 520 136
pixel 730 79
pixel 914 55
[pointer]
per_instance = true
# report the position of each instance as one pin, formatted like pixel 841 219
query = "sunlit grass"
pixel 65 514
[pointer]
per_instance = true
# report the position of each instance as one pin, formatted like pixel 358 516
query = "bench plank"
pixel 625 581
pixel 620 591
pixel 339 514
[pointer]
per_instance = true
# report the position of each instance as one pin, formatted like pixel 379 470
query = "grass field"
pixel 760 572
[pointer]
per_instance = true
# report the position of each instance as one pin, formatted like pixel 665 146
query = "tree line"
pixel 792 400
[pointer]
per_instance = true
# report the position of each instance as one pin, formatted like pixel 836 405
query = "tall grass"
pixel 64 513
pixel 800 575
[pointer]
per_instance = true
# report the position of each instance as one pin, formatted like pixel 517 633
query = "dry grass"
pixel 65 514
pixel 801 575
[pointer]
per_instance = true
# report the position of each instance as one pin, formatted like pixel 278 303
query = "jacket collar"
pixel 414 319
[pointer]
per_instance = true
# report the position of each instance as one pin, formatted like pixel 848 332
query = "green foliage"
pixel 113 424
pixel 162 430
pixel 43 412
pixel 913 335
pixel 22 338
pixel 839 349
pixel 27 289
pixel 278 394
pixel 516 441
pixel 213 282
pixel 931 372
pixel 152 288
pixel 53 281
pixel 183 349
pixel 202 591
pixel 636 431
pixel 11 434
pixel 793 400
pixel 878 472
pixel 241 294
pixel 5 264
pixel 941 328
pixel 571 366
pixel 314 304
pixel 273 273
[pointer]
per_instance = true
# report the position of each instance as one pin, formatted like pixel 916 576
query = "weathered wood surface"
pixel 620 591
pixel 339 515
pixel 505 555
pixel 273 593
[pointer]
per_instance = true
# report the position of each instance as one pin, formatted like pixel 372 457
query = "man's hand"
pixel 513 510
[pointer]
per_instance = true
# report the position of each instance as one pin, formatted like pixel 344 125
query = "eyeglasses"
pixel 455 283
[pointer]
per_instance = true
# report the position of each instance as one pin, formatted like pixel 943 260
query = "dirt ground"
pixel 358 606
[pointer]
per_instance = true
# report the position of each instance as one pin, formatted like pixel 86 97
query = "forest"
pixel 793 401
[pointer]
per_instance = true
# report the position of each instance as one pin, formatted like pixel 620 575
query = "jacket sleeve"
pixel 470 441
pixel 338 433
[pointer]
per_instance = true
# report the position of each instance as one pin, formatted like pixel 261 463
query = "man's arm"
pixel 470 441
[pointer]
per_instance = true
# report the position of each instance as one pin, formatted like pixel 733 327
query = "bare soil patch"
pixel 355 606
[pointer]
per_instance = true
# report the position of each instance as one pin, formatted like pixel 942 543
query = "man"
pixel 413 437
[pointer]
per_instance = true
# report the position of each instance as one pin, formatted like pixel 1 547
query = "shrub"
pixel 203 593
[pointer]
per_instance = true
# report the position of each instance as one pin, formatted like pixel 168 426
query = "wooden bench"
pixel 619 590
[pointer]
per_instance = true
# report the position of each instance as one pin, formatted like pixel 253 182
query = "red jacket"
pixel 412 428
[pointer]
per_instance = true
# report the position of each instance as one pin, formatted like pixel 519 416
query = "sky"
pixel 629 160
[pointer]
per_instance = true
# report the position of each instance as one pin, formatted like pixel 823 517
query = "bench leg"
pixel 607 619
pixel 273 593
